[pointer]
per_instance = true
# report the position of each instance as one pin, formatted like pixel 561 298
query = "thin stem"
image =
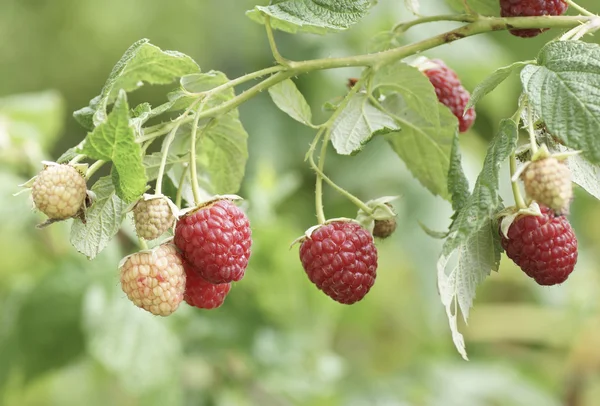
pixel 180 187
pixel 319 183
pixel 278 58
pixel 143 244
pixel 515 184
pixel 193 167
pixel 165 149
pixel 465 18
pixel 76 159
pixel 531 131
pixel 92 169
pixel 242 79
pixel 579 8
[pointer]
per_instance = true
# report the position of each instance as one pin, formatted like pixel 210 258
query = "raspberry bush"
pixel 175 167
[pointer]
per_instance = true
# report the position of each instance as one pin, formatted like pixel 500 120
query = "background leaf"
pixel 357 123
pixel 288 98
pixel 114 140
pixel 564 89
pixel 103 220
pixel 313 16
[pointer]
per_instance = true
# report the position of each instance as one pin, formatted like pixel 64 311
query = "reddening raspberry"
pixel 216 239
pixel 451 93
pixel 200 293
pixel 531 8
pixel 154 280
pixel 548 182
pixel 153 217
pixel 340 258
pixel 544 247
pixel 59 191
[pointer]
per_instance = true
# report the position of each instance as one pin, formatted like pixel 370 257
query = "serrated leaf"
pixel 475 257
pixel 492 81
pixel 357 123
pixel 141 63
pixel 103 220
pixel 564 90
pixel 584 173
pixel 85 115
pixel 428 127
pixel 314 16
pixel 114 140
pixel 485 199
pixel 458 185
pixel 288 98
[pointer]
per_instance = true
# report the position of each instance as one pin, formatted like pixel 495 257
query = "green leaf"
pixel 221 150
pixel 288 98
pixel 103 220
pixel 114 140
pixel 563 89
pixel 458 185
pixel 585 174
pixel 33 117
pixel 314 16
pixel 491 82
pixel 428 127
pixel 152 163
pixel 141 63
pixel 85 115
pixel 476 257
pixel 485 199
pixel 357 123
pixel 131 343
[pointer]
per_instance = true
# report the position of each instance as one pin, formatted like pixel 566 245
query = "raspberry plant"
pixel 418 105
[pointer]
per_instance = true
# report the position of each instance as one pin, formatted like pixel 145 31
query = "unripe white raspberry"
pixel 59 191
pixel 154 280
pixel 153 216
pixel 548 182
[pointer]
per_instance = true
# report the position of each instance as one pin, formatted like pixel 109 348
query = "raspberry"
pixel 548 182
pixel 531 8
pixel 544 247
pixel 154 280
pixel 215 239
pixel 59 191
pixel 340 258
pixel 153 216
pixel 201 293
pixel 451 93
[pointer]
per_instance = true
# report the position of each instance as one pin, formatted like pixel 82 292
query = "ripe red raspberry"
pixel 153 216
pixel 531 8
pixel 215 239
pixel 451 93
pixel 340 258
pixel 154 280
pixel 548 182
pixel 59 191
pixel 201 293
pixel 544 247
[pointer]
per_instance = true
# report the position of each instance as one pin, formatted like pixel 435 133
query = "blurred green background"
pixel 69 336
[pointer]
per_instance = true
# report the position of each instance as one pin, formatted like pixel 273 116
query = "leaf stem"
pixel 165 149
pixel 515 183
pixel 76 159
pixel 531 131
pixel 278 58
pixel 193 166
pixel 180 187
pixel 93 168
